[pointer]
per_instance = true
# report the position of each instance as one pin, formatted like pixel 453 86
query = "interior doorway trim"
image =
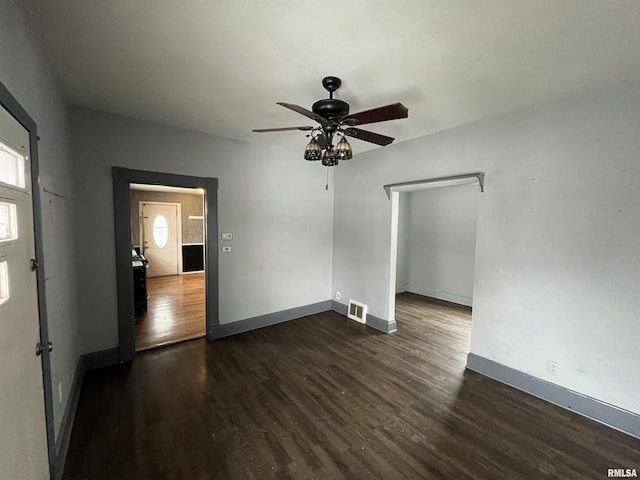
pixel 451 180
pixel 393 191
pixel 122 180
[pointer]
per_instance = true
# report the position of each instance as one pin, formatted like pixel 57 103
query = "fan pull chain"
pixel 326 187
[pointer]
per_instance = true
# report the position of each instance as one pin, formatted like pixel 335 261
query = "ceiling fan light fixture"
pixel 313 151
pixel 334 119
pixel 330 158
pixel 343 150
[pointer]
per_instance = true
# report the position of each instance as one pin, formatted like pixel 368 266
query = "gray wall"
pixel 24 72
pixel 437 242
pixel 558 256
pixel 191 204
pixel 273 202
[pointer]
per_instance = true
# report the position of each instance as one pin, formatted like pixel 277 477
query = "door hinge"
pixel 40 348
pixel 34 265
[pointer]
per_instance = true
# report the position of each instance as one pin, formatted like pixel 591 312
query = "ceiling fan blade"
pixel 282 129
pixel 322 141
pixel 368 136
pixel 303 111
pixel 380 114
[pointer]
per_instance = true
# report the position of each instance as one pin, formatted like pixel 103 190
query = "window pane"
pixel 8 227
pixel 160 231
pixel 11 167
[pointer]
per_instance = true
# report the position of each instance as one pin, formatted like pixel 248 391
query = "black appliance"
pixel 139 265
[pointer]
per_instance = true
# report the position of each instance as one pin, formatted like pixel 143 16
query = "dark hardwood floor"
pixel 324 397
pixel 175 311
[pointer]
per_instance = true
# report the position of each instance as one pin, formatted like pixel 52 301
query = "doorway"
pixel 437 243
pixel 25 373
pixel 169 277
pixel 123 179
pixel 433 237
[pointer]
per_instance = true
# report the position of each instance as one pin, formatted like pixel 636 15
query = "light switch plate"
pixel 227 236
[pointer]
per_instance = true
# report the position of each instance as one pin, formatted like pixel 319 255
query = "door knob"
pixel 40 348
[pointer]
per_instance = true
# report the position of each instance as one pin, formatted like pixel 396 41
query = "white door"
pixel 160 238
pixel 23 440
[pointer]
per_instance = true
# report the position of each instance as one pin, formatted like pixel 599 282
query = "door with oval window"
pixel 161 237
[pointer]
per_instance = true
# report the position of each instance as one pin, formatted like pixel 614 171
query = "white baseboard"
pixel 440 295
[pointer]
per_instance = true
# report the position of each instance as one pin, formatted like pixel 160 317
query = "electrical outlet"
pixel 552 367
pixel 337 295
pixel 60 392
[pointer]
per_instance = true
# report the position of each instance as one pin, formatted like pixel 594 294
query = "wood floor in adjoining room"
pixel 175 311
pixel 324 397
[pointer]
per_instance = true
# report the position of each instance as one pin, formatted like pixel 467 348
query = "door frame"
pixel 178 206
pixel 393 191
pixel 11 105
pixel 122 180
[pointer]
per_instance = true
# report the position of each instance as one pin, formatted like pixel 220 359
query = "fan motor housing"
pixel 331 108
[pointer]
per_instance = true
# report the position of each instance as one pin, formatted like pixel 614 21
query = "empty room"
pixel 298 239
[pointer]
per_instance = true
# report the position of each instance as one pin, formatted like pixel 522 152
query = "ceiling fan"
pixel 334 119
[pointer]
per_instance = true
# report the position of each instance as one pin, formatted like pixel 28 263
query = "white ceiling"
pixel 220 66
